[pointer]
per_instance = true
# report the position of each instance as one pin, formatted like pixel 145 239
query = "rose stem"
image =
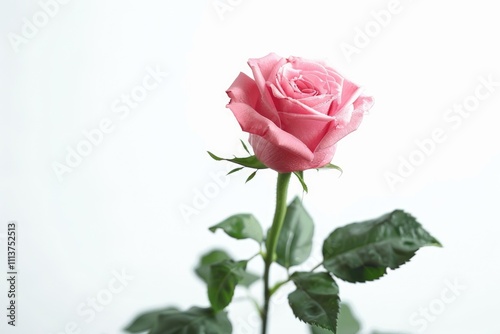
pixel 272 240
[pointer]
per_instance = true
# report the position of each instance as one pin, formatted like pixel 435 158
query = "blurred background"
pixel 107 110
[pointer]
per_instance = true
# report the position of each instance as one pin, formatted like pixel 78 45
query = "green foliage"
pixel 332 166
pixel 319 330
pixel 296 236
pixel 222 281
pixel 244 146
pixel 357 252
pixel 212 257
pixel 361 252
pixel 348 324
pixel 300 176
pixel 251 161
pixel 241 226
pixel 316 300
pixel 251 176
pixel 195 320
pixel 248 279
pixel 237 169
pixel 222 274
pixel 147 320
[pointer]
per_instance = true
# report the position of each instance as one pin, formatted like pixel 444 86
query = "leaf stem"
pixel 272 240
pixel 278 285
pixel 319 265
pixel 254 256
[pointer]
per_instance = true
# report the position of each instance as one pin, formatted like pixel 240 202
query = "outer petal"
pixel 264 69
pixel 344 113
pixel 309 130
pixel 335 133
pixel 348 90
pixel 307 65
pixel 284 161
pixel 244 90
pixel 253 122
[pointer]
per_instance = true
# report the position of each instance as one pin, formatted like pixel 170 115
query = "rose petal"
pixel 253 122
pixel 264 69
pixel 307 65
pixel 320 103
pixel 344 114
pixel 309 131
pixel 335 133
pixel 348 90
pixel 244 90
pixel 284 161
pixel 292 106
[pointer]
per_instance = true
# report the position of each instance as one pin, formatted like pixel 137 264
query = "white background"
pixel 120 209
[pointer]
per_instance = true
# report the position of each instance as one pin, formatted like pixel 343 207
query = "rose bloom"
pixel 295 110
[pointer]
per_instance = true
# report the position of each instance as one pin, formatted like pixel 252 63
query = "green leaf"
pixel 251 176
pixel 241 226
pixel 250 161
pixel 248 279
pixel 295 239
pixel 195 320
pixel 319 330
pixel 332 166
pixel 361 252
pixel 235 170
pixel 214 256
pixel 146 321
pixel 347 323
pixel 223 278
pixel 316 300
pixel 300 176
pixel 245 146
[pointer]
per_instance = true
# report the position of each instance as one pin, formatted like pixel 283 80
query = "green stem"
pixel 280 284
pixel 319 265
pixel 272 240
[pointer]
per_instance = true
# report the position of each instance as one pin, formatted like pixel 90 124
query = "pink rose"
pixel 295 110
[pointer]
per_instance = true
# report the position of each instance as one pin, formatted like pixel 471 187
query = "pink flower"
pixel 295 110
